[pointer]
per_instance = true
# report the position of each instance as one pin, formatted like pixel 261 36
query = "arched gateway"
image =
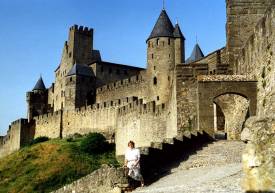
pixel 211 87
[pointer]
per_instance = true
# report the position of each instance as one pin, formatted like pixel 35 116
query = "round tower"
pixel 162 55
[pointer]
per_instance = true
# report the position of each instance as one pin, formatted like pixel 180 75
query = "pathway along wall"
pixel 257 59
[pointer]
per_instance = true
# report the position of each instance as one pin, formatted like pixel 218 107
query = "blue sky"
pixel 33 32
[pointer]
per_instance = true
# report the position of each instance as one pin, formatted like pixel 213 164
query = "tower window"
pixel 155 81
pixel 168 41
pixel 152 56
pixel 157 97
pixel 158 41
pixel 70 54
pixel 71 79
pixel 154 67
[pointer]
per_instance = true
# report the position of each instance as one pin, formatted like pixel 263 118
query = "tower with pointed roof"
pixel 165 49
pixel 37 100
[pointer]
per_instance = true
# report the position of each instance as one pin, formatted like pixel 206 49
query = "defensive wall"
pixel 100 117
pixel 20 132
pixel 257 59
pixel 133 86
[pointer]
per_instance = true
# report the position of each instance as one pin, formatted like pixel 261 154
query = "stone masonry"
pixel 172 98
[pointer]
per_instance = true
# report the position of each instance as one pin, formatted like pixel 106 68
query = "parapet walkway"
pixel 216 168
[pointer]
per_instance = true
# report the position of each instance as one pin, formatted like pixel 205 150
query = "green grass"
pixel 47 166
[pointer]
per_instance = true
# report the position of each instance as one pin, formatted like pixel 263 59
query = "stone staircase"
pixel 160 157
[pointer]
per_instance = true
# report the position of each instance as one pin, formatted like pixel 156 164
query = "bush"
pixel 39 140
pixel 94 143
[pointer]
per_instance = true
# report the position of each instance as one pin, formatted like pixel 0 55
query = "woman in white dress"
pixel 132 162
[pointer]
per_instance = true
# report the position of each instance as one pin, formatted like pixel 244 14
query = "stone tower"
pixel 37 100
pixel 79 87
pixel 77 50
pixel 165 48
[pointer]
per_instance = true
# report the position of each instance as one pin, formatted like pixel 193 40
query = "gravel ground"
pixel 215 168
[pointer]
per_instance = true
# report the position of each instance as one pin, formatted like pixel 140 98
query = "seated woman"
pixel 132 162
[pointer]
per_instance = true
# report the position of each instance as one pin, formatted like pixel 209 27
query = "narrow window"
pixel 168 41
pixel 155 81
pixel 70 54
pixel 158 41
pixel 71 79
pixel 152 56
pixel 157 97
pixel 154 67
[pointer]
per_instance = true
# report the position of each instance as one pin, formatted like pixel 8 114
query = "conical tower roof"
pixel 163 27
pixel 196 54
pixel 39 85
pixel 177 32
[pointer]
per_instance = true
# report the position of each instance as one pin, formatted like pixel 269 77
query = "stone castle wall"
pixel 100 117
pixel 242 16
pixel 257 59
pixel 19 134
pixel 141 123
pixel 133 86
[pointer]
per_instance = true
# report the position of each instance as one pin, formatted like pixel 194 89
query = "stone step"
pixel 169 141
pixel 156 145
pixel 144 150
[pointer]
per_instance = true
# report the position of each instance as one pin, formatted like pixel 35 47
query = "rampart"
pixel 142 123
pixel 19 133
pixel 133 86
pixel 100 117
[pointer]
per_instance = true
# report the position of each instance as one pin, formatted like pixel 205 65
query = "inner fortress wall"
pixel 133 86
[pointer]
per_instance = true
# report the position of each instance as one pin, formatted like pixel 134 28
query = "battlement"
pixel 187 72
pixel 107 104
pixel 47 115
pixel 81 30
pixel 121 83
pixel 142 108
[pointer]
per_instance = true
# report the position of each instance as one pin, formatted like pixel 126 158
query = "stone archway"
pixel 234 110
pixel 211 88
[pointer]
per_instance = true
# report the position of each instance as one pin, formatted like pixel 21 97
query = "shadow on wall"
pixel 159 163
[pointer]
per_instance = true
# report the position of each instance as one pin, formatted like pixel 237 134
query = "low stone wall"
pixel 104 180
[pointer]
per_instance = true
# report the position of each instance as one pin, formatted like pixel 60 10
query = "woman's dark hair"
pixel 132 143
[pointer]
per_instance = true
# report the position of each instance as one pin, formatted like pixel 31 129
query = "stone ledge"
pixel 228 78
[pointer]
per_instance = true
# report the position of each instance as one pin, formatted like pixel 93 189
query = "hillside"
pixel 46 166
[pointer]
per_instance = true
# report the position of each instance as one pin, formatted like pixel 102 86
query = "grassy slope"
pixel 47 166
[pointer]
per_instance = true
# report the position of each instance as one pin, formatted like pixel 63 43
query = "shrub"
pixel 94 143
pixel 39 140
